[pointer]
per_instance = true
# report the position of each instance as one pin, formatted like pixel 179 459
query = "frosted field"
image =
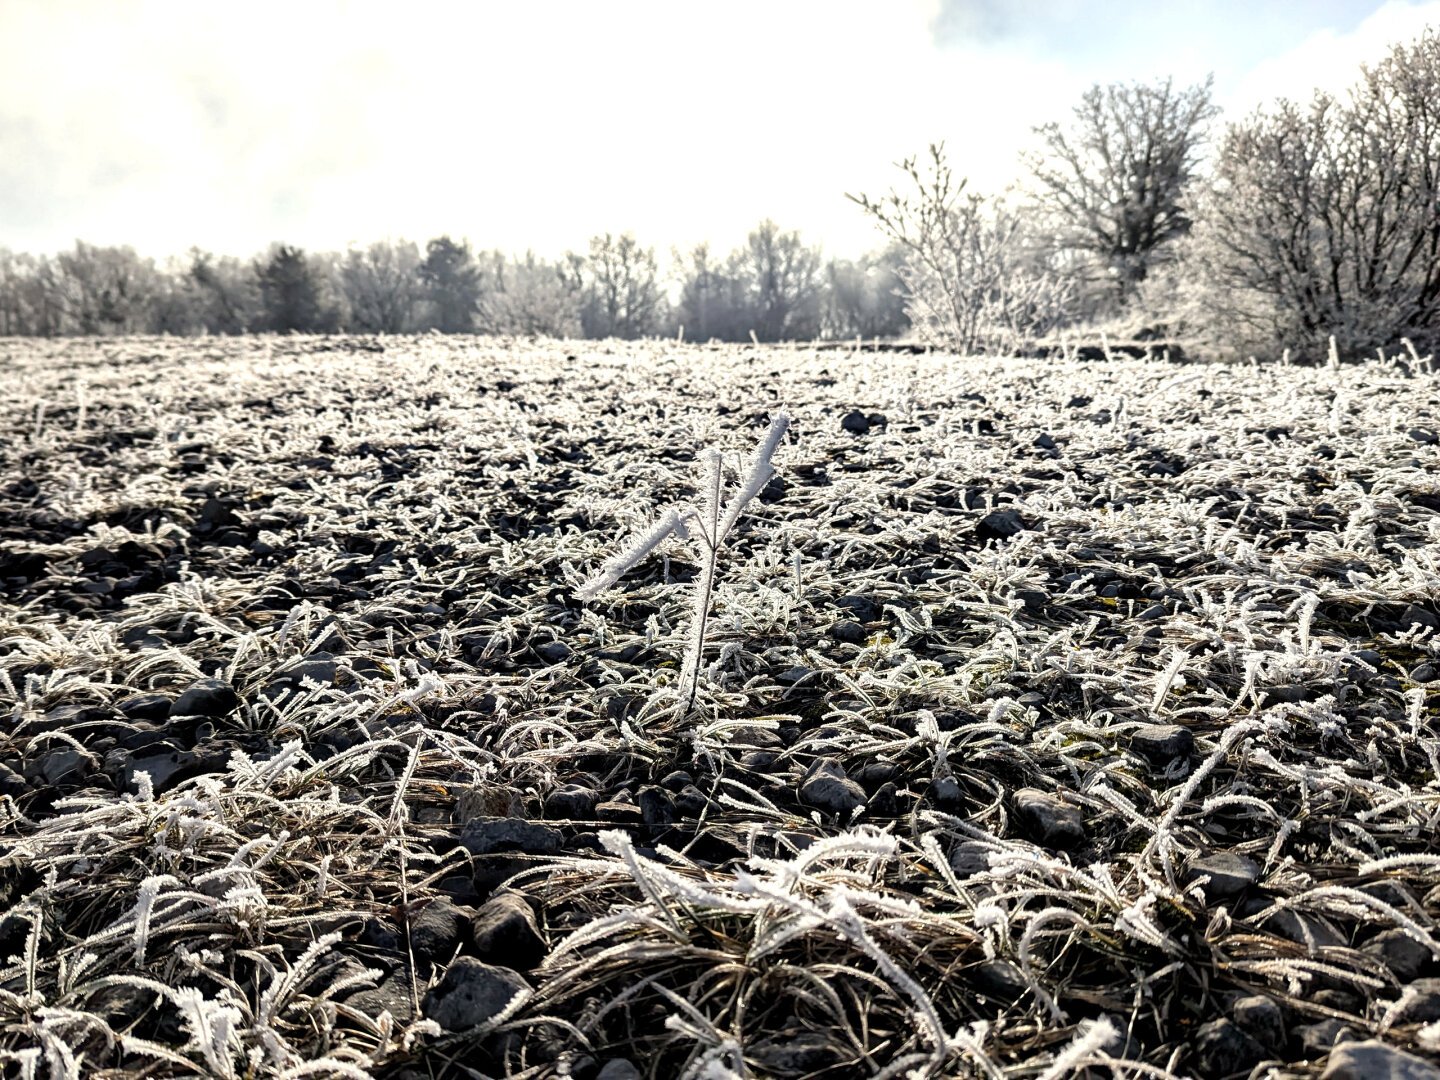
pixel 1051 715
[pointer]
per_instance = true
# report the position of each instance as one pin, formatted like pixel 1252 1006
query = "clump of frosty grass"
pixel 707 525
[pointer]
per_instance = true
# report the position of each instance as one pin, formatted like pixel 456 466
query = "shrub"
pixel 1325 219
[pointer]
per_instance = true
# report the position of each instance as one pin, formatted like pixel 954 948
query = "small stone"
pixel 690 801
pixel 1044 441
pixel 970 857
pixel 144 706
pixel 1400 952
pixel 1222 1047
pixel 208 697
pixel 167 767
pixel 1424 436
pixel 554 652
pixel 944 793
pixel 656 806
pixel 794 1050
pixel 11 782
pixel 392 995
pixel 505 932
pixel 1033 599
pixel 571 802
pixel 1425 673
pixel 1229 873
pixel 827 788
pixel 855 422
pixel 1420 1002
pixel 619 811
pixel 1152 613
pixel 861 608
pixel 1049 820
pixel 471 993
pixel 1304 928
pixel 435 932
pixel 1262 1019
pixel 1319 1038
pixel 61 764
pixel 1413 615
pixel 849 632
pixel 487 835
pixel 1373 1060
pixel 618 1069
pixel 1000 525
pixel 677 781
pixel 1160 744
pixel 885 802
pixel 1000 980
pixel 319 667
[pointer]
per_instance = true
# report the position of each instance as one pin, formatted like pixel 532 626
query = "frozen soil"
pixel 1056 716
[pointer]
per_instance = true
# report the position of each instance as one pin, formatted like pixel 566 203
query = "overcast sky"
pixel 530 124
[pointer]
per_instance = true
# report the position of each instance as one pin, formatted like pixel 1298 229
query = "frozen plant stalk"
pixel 708 525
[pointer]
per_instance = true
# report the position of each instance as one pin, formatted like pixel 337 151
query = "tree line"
pixel 775 287
pixel 1303 224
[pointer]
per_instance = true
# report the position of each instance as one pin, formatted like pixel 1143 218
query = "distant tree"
pixel 714 297
pixel 975 279
pixel 784 283
pixel 528 296
pixel 619 288
pixel 866 297
pixel 104 290
pixel 1325 220
pixel 227 293
pixel 382 284
pixel 291 292
pixel 451 283
pixel 1116 177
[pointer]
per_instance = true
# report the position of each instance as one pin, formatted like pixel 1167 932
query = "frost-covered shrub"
pixel 1324 219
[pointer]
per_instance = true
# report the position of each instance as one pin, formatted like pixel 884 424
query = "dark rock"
pixel 861 608
pixel 970 857
pixel 145 706
pixel 1414 615
pixel 758 760
pixel 1222 1047
pixel 554 652
pixel 1262 1019
pixel 1044 441
pixel 167 767
pixel 12 783
pixel 827 788
pixel 571 802
pixel 619 811
pixel 999 980
pixel 392 995
pixel 208 697
pixel 944 794
pixel 677 781
pixel 471 993
pixel 1373 1060
pixel 1161 744
pixel 1033 599
pixel 885 802
pixel 437 930
pixel 1425 673
pixel 488 835
pixel 1229 873
pixel 690 801
pixel 794 1050
pixel 1317 1039
pixel 1421 1002
pixel 849 632
pixel 1400 952
pixel 656 806
pixel 855 422
pixel 875 774
pixel 318 667
pixel 1000 525
pixel 618 1069
pixel 1303 928
pixel 505 932
pixel 64 763
pixel 1049 820
pixel 1153 612
pixel 1424 436
pixel 381 934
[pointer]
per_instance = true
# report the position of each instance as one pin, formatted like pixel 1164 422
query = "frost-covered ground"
pixel 1055 715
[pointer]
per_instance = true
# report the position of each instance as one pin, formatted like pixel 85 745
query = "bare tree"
pixel 865 297
pixel 784 277
pixel 381 284
pixel 619 286
pixel 974 280
pixel 104 290
pixel 528 296
pixel 1115 178
pixel 1325 220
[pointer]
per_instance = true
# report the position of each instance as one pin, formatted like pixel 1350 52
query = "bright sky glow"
pixel 535 124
